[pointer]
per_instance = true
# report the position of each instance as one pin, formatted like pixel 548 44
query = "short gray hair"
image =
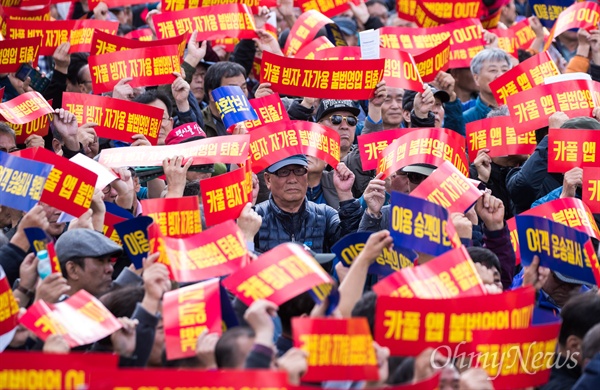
pixel 6 129
pixel 489 55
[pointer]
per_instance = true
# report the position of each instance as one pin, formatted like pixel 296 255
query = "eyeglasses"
pixel 415 178
pixel 5 150
pixel 337 119
pixel 285 172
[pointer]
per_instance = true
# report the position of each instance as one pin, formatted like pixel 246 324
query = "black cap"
pixel 330 105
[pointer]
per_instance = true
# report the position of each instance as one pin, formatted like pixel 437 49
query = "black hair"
pixel 579 315
pixel 153 95
pixel 78 61
pixel 214 74
pixel 295 307
pixel 192 188
pixel 365 307
pixel 121 301
pixel 484 256
pixel 404 373
pixel 80 261
pixel 227 354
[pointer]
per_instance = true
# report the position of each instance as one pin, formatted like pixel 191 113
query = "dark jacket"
pixel 415 121
pixel 590 379
pixel 499 243
pixel 480 111
pixel 361 178
pixel 244 53
pixel 532 181
pixel 497 183
pixel 453 117
pixel 317 226
pixel 563 375
pixel 11 257
pixel 213 126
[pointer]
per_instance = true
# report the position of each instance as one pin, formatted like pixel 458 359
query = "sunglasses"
pixel 337 119
pixel 415 178
pixel 285 172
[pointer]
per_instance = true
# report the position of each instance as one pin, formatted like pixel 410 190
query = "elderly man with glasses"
pixel 287 216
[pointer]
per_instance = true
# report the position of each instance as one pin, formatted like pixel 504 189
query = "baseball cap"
pixel 328 106
pixel 442 95
pixel 298 159
pixel 85 243
pixel 185 133
pixel 581 122
pixel 566 279
pixel 347 25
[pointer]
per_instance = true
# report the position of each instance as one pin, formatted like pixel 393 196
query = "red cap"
pixel 184 133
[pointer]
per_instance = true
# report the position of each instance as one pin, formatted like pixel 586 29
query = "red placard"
pixel 117 119
pixel 110 220
pixel 591 189
pixel 433 61
pixel 580 15
pixel 337 349
pixel 528 74
pixel 218 21
pixel 516 358
pixel 187 312
pixel 173 5
pixel 230 149
pixel 523 33
pixel 176 217
pixel 449 188
pixel 103 43
pixel 530 109
pixel 409 325
pixel 39 126
pixel 372 145
pixel 225 196
pixel 37 369
pixel 348 53
pixel 215 252
pixel 81 319
pixel 81 36
pixel 22 14
pixel 507 40
pixel 276 141
pixel 14 52
pixel 424 146
pixel 147 66
pixel 9 308
pixel 54 262
pixel 304 30
pixel 114 3
pixel 327 8
pixel 406 9
pixel 278 275
pixel 570 148
pixel 322 79
pixel 498 135
pixel 69 187
pixel 465 40
pixel 308 51
pixel 25 108
pixel 444 11
pixel 450 275
pixel 269 109
pixel 55 32
pixel 142 34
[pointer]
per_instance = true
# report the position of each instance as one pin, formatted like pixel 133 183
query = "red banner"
pixel 147 66
pixel 277 275
pixel 516 358
pixel 449 188
pixel 230 149
pixel 591 189
pixel 142 34
pixel 319 79
pixel 570 148
pixel 269 109
pixel 39 126
pixel 117 119
pixel 580 15
pixel 29 370
pixel 215 252
pixel 69 187
pixel 187 312
pixel 308 51
pixel 498 135
pixel 81 37
pixel 530 109
pixel 465 40
pixel 103 43
pixel 14 52
pixel 55 32
pixel 450 275
pixel 373 144
pixel 337 349
pixel 304 30
pixel 225 196
pixel 409 325
pixel 528 74
pixel 81 319
pixel 507 40
pixel 9 309
pixel 25 108
pixel 176 217
pixel 327 8
pixel 174 5
pixel 23 14
pixel 276 141
pixel 218 21
pixel 433 61
pixel 523 33
pixel 424 146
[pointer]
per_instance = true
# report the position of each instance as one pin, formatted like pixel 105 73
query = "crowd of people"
pixel 299 199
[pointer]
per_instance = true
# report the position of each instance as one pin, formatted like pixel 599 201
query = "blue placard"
pixel 547 11
pixel 134 237
pixel 418 224
pixel 117 210
pixel 21 181
pixel 559 247
pixel 233 105
pixel 38 238
pixel 388 262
